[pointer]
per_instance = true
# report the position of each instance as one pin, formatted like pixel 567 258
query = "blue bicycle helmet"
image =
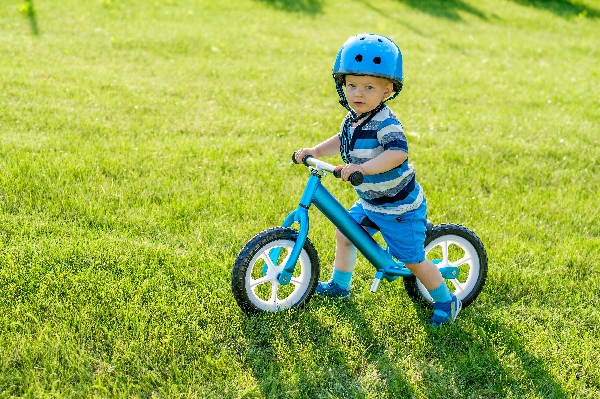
pixel 366 54
pixel 369 54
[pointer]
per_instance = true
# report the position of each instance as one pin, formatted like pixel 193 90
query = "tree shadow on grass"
pixel 475 359
pixel 310 7
pixel 448 9
pixel 317 363
pixel 562 8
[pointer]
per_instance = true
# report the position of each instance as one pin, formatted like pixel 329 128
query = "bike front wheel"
pixel 254 277
pixel 456 246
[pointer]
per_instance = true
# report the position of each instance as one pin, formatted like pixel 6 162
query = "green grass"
pixel 143 143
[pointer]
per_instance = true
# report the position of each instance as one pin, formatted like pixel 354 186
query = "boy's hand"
pixel 302 152
pixel 348 169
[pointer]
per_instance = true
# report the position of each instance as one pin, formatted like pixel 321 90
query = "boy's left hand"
pixel 348 169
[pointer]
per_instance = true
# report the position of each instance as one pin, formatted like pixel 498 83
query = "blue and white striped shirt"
pixel 393 192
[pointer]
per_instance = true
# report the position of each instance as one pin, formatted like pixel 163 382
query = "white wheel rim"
pixel 469 259
pixel 300 282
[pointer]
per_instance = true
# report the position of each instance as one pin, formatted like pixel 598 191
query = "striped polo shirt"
pixel 393 192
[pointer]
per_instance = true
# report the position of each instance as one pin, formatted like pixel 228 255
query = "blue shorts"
pixel 405 238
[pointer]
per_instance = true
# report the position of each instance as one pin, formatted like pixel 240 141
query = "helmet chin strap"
pixel 353 118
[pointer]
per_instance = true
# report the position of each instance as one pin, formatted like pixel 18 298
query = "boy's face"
pixel 364 93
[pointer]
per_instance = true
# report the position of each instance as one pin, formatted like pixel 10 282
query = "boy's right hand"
pixel 303 152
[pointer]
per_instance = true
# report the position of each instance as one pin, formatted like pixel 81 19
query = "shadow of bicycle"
pixel 304 354
pixel 330 349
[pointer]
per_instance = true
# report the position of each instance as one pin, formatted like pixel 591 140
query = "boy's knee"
pixel 341 239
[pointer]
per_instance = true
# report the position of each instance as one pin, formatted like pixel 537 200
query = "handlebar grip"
pixel 303 159
pixel 356 178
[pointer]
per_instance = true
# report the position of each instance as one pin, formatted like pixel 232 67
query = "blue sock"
pixel 441 293
pixel 341 278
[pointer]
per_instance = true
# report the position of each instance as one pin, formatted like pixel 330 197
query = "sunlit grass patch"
pixel 143 143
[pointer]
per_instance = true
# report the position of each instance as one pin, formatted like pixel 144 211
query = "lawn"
pixel 142 144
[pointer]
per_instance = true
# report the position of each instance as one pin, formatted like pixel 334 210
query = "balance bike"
pixel 278 269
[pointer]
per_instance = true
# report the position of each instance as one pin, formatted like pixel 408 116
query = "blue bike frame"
pixel 316 193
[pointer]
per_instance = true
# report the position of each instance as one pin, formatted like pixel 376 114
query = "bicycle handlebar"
pixel 356 178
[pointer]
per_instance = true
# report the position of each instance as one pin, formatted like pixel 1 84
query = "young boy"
pixel 371 140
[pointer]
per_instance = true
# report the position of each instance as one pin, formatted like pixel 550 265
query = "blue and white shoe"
pixel 445 312
pixel 331 289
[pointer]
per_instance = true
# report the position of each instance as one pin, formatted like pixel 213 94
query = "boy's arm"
pixel 328 147
pixel 383 162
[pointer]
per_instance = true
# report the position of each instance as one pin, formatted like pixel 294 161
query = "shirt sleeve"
pixel 391 136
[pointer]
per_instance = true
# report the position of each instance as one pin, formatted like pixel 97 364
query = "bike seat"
pixel 366 222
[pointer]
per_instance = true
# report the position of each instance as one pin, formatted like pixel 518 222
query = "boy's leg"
pixel 345 253
pixel 343 266
pixel 445 305
pixel 428 273
pixel 345 260
pixel 406 237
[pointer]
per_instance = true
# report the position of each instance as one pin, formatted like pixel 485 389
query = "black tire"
pixel 473 272
pixel 249 264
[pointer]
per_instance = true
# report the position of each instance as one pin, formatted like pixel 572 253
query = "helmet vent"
pixel 380 41
pixel 377 60
pixel 358 58
pixel 362 38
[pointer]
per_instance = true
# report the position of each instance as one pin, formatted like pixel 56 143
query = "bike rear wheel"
pixel 457 246
pixel 254 277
